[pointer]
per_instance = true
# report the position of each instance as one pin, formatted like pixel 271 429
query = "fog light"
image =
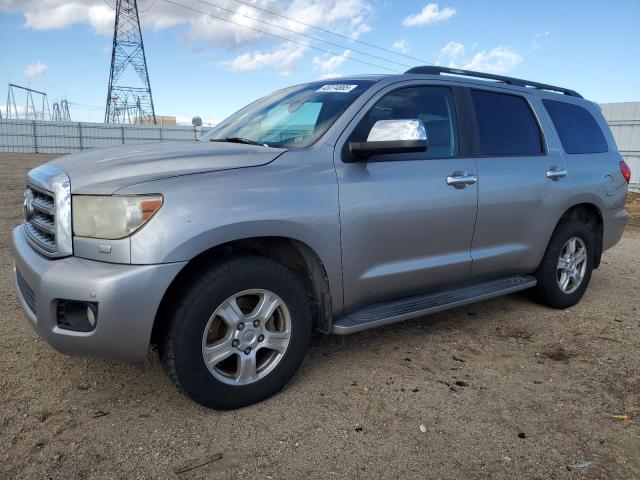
pixel 77 316
pixel 91 317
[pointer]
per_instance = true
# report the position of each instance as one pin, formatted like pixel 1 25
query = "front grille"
pixel 40 219
pixel 47 210
pixel 26 292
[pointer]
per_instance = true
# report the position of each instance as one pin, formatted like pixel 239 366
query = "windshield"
pixel 292 118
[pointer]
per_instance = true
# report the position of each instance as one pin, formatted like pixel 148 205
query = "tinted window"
pixel 576 127
pixel 506 125
pixel 433 105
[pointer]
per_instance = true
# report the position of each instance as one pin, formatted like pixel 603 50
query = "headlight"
pixel 112 217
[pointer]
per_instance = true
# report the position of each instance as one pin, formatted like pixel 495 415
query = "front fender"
pixel 294 197
pixel 193 246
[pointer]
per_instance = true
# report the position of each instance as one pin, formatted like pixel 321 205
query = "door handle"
pixel 556 173
pixel 459 181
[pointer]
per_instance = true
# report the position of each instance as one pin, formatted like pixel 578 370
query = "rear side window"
pixel 578 130
pixel 506 125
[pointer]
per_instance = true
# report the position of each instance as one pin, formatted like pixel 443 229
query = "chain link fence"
pixel 36 136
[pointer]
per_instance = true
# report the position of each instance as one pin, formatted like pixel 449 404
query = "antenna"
pixel 128 68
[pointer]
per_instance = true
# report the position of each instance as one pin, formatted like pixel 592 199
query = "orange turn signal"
pixel 149 207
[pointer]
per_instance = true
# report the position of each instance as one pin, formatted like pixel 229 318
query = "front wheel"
pixel 238 334
pixel 565 271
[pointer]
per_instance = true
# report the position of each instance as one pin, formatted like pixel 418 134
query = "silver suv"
pixel 337 205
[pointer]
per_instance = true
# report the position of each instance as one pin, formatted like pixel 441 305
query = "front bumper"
pixel 128 297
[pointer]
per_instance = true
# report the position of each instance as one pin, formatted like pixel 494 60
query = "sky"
pixel 201 65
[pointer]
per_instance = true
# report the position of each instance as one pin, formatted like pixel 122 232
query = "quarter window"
pixel 576 127
pixel 433 105
pixel 506 125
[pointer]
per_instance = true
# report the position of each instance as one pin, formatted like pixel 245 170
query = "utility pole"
pixel 129 86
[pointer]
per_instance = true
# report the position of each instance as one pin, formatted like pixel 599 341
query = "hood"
pixel 103 171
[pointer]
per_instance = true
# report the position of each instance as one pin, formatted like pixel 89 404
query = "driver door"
pixel 404 229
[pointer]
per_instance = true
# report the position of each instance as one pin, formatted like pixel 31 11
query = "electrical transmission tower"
pixel 61 112
pixel 30 112
pixel 125 100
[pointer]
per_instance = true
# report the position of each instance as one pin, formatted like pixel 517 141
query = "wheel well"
pixel 590 215
pixel 293 254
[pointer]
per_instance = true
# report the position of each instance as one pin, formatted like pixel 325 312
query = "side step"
pixel 397 310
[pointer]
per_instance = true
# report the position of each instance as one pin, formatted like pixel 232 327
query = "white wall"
pixel 29 136
pixel 624 120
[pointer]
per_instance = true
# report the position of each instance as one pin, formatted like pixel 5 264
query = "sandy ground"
pixel 504 389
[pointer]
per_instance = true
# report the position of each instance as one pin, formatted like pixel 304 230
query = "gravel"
pixel 477 376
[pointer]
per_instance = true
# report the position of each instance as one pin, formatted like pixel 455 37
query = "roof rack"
pixel 434 70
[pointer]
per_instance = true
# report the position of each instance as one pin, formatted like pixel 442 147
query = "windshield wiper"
pixel 239 140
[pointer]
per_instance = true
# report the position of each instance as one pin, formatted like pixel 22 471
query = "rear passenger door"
pixel 523 183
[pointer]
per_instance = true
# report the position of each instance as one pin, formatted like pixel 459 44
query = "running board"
pixel 395 311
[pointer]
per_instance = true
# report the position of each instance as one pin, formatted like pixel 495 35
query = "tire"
pixel 549 291
pixel 229 289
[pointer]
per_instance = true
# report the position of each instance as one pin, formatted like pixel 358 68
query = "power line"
pixel 331 32
pixel 148 8
pixel 280 37
pixel 311 37
pixel 309 25
pixel 88 107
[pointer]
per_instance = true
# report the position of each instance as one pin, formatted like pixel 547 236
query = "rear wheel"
pixel 566 268
pixel 238 334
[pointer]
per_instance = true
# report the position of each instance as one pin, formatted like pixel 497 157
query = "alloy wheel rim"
pixel 246 337
pixel 572 265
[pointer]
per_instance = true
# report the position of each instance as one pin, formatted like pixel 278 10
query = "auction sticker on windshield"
pixel 338 88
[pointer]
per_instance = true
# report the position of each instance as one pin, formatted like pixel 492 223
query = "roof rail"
pixel 434 70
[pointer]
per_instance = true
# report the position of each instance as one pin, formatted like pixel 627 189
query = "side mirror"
pixel 392 136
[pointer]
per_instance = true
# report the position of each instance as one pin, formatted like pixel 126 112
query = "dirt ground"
pixel 633 207
pixel 504 389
